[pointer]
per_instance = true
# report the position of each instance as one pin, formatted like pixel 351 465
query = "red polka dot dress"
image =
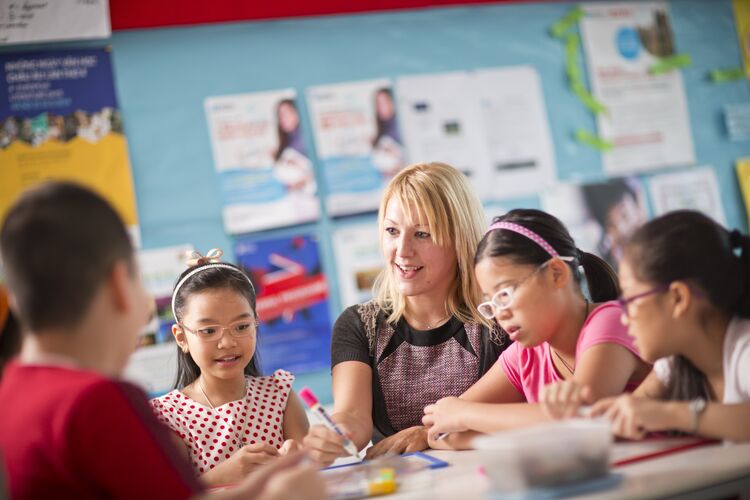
pixel 213 435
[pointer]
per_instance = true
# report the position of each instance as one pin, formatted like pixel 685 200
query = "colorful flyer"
pixel 295 325
pixel 358 261
pixel 742 21
pixel 694 189
pixel 265 174
pixel 358 142
pixel 59 119
pixel 743 177
pixel 601 216
pixel 646 118
pixel 24 21
pixel 153 365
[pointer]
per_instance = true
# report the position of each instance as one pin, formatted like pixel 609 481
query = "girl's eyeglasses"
pixel 503 298
pixel 208 333
pixel 625 301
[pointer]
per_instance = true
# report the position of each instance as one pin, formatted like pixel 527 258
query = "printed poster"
pixel 59 119
pixel 742 22
pixel 265 173
pixel 358 261
pixel 295 325
pixel 154 363
pixel 358 142
pixel 743 176
pixel 695 189
pixel 441 122
pixel 602 216
pixel 491 124
pixel 28 21
pixel 516 131
pixel 647 117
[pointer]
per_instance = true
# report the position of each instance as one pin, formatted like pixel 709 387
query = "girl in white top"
pixel 230 420
pixel 686 297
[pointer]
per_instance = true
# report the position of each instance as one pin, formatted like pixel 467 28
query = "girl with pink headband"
pixel 529 270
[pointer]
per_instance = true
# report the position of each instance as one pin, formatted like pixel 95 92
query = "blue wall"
pixel 163 76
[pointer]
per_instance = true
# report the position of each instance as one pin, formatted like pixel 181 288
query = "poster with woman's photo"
pixel 600 216
pixel 265 173
pixel 358 142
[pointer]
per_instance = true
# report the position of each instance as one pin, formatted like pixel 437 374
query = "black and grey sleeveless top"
pixel 412 368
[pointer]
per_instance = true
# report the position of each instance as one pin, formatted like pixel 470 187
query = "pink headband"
pixel 510 226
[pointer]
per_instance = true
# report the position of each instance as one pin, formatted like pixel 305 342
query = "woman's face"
pixel 419 265
pixel 646 317
pixel 384 106
pixel 532 316
pixel 288 117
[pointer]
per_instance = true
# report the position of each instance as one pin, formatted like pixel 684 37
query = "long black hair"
pixel 687 245
pixel 210 278
pixel 601 278
pixel 285 137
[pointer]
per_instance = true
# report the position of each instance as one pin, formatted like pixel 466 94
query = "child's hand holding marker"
pixel 565 399
pixel 443 417
pixel 328 441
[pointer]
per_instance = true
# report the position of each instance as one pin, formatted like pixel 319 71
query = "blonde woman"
pixel 421 338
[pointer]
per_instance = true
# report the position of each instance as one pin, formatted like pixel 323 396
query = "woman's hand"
pixel 244 461
pixel 563 399
pixel 405 441
pixel 633 417
pixel 324 445
pixel 446 415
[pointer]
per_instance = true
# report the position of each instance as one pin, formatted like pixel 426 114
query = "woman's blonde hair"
pixel 441 196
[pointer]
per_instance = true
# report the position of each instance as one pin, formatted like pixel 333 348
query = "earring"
pixel 185 349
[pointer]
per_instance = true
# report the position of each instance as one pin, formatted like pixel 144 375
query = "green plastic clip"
pixel 591 140
pixel 669 63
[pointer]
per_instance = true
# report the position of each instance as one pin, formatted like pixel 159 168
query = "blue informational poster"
pixel 358 142
pixel 265 172
pixel 60 120
pixel 295 325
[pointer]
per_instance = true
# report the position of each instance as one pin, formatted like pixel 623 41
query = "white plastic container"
pixel 547 455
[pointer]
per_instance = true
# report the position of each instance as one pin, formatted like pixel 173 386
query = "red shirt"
pixel 69 433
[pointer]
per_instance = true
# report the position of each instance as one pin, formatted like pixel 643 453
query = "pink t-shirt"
pixel 530 369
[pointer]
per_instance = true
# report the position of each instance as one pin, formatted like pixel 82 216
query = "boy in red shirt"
pixel 69 427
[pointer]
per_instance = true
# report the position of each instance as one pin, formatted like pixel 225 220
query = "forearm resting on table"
pixel 491 417
pixel 720 421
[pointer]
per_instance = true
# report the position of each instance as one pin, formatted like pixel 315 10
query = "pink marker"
pixel 312 402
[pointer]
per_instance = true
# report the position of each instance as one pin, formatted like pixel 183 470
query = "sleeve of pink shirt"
pixel 603 326
pixel 510 360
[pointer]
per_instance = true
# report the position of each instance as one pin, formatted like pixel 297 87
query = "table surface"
pixel 706 471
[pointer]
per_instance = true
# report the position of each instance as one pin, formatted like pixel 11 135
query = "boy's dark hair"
pixel 687 245
pixel 211 278
pixel 600 198
pixel 59 242
pixel 601 278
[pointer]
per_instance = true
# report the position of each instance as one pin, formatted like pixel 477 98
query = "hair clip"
pixel 194 257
